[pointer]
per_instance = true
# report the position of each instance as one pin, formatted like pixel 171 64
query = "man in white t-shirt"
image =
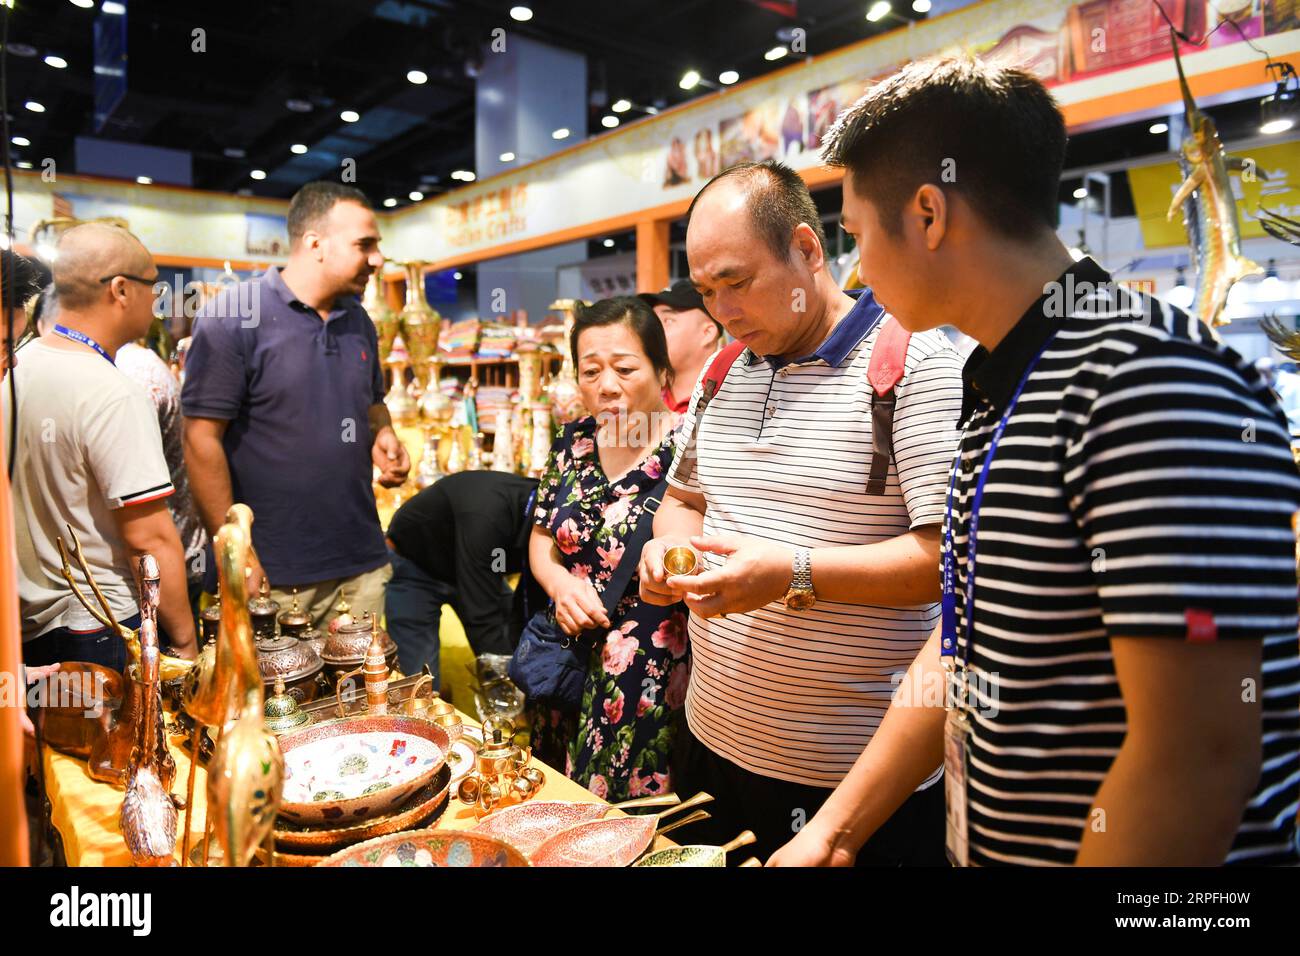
pixel 89 455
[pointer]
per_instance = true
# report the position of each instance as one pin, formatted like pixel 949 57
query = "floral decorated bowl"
pixel 427 848
pixel 347 770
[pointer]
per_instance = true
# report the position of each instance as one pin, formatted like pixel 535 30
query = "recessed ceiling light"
pixel 522 14
pixel 258 174
pixel 113 8
pixel 1159 128
pixel 415 195
pixel 621 106
pixel 879 10
pixel 1276 126
pixel 34 106
pixel 21 141
pixel 298 149
pixel 58 62
pixel 84 4
pixel 1081 192
pixel 921 6
pixel 144 180
pixel 727 77
pixel 609 243
pixel 609 122
pixel 22 49
pixel 507 157
pixel 690 79
pixel 349 116
pixel 561 133
pixel 417 77
pixel 390 202
pixel 234 152
pixel 464 175
pixel 23 165
pixel 775 53
pixel 299 106
pixel 457 276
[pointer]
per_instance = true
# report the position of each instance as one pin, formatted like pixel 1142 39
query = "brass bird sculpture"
pixel 1209 209
pixel 148 817
pixel 246 771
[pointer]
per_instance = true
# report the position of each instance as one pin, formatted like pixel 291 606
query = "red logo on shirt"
pixel 364 357
pixel 1201 628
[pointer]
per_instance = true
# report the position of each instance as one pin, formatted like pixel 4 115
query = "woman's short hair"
pixel 638 316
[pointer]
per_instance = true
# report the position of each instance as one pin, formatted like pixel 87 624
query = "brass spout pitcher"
pixel 421 323
pixel 387 324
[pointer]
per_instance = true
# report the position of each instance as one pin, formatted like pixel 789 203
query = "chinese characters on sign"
pixel 489 217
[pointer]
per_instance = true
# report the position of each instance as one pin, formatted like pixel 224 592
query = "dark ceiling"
pixel 332 55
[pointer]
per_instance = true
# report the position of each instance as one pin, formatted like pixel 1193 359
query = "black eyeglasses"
pixel 123 275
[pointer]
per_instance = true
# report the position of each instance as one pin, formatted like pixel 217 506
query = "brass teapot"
pixel 501 775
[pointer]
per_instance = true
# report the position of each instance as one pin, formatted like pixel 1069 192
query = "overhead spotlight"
pixel 257 174
pixel 390 202
pixel 21 141
pixel 34 106
pixel 1271 280
pixel 113 8
pixel 457 276
pixel 522 14
pixel 608 243
pixel 609 122
pixel 298 149
pixel 84 4
pixel 418 77
pixel 878 11
pixel 1157 128
pixel 507 157
pixel 621 106
pixel 690 80
pixel 1279 110
pixel 234 152
pixel 58 62
pixel 415 195
pixel 144 180
pixel 23 165
pixel 727 77
pixel 1180 295
pixel 464 175
pixel 349 116
pixel 921 6
pixel 1081 192
pixel 561 133
pixel 776 53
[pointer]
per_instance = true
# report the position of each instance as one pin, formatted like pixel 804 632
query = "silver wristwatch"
pixel 801 596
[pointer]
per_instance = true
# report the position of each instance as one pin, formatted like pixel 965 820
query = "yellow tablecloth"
pixel 85 811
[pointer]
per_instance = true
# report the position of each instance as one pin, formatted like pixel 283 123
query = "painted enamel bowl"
pixel 428 848
pixel 355 768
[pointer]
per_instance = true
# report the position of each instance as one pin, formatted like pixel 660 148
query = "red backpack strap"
pixel 713 378
pixel 884 371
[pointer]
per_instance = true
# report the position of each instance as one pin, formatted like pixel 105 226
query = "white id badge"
pixel 956 752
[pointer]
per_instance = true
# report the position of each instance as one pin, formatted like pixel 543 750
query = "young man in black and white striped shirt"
pixel 788 687
pixel 1124 687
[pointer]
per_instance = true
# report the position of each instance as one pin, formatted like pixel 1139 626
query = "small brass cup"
pixel 681 560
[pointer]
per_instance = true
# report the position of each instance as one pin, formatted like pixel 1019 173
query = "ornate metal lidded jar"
pixel 294 621
pixel 281 711
pixel 345 649
pixel 420 321
pixel 210 621
pixel 295 662
pixel 562 390
pixel 387 325
pixel 263 611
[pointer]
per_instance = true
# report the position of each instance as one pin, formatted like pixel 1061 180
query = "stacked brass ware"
pixel 562 390
pixel 501 775
pixel 435 413
pixel 401 406
pixel 375 302
pixel 420 322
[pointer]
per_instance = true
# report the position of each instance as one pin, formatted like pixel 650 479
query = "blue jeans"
pixel 412 610
pixel 95 647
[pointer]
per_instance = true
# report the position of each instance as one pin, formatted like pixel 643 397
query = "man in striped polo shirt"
pixel 828 589
pixel 1124 686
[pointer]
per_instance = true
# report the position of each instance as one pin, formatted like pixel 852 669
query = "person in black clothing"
pixel 455 543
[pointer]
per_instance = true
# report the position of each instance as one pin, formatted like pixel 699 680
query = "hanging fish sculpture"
pixel 148 818
pixel 1209 209
pixel 1287 230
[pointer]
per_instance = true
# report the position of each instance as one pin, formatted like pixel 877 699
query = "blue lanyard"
pixel 77 335
pixel 948 628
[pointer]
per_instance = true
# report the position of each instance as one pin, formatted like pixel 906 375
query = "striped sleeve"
pixel 925 426
pixel 1182 483
pixel 123 446
pixel 689 481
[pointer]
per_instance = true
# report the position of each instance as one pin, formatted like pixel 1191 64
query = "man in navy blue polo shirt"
pixel 284 409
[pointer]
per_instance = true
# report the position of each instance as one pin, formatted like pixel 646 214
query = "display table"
pixel 85 811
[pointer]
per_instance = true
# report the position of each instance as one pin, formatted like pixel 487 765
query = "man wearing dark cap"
pixel 692 336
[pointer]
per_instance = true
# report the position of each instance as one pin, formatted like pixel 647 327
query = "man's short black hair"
pixel 778 201
pixel 311 204
pixel 991 133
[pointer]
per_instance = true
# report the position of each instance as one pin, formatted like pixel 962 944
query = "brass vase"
pixel 401 406
pixel 420 321
pixel 562 389
pixel 387 324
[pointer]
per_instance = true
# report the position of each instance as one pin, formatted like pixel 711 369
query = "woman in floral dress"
pixel 596 484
